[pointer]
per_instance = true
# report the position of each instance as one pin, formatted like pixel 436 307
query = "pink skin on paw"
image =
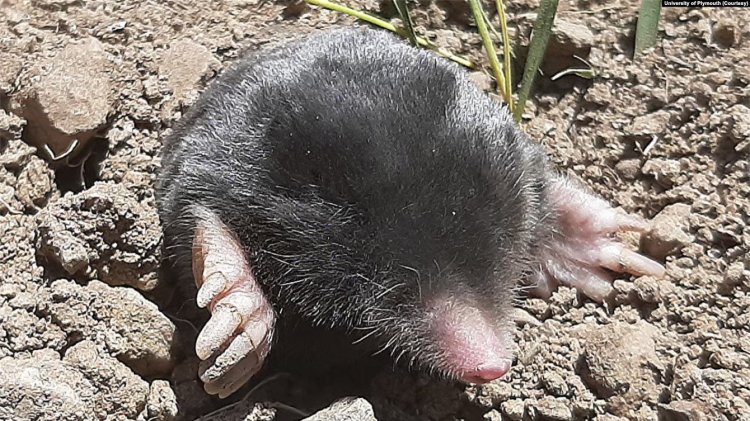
pixel 472 347
pixel 237 337
pixel 583 253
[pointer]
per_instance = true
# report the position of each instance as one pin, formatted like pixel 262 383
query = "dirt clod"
pixel 670 231
pixel 618 363
pixel 347 409
pixel 103 233
pixel 66 98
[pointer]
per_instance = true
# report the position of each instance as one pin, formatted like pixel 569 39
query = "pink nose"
pixel 487 372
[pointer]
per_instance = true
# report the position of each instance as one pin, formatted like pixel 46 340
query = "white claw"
pixel 615 257
pixel 213 285
pixel 627 222
pixel 220 327
pixel 234 378
pixel 230 312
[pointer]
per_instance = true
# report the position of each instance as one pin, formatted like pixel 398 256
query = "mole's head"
pixel 410 235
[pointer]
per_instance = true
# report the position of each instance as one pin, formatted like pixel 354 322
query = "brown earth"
pixel 88 330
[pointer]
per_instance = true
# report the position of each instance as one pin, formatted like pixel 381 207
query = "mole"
pixel 358 183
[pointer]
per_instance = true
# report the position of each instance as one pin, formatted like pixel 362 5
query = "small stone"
pixel 493 415
pixel 482 80
pixel 733 276
pixel 347 409
pixel 568 39
pixel 647 289
pixel 135 331
pixel 664 171
pixel 650 124
pixel 120 388
pixel 11 126
pixel 491 394
pixel 555 384
pixel 513 409
pixel 185 65
pixel 740 116
pixel 161 404
pixel 609 417
pixel 618 361
pixel 35 183
pixel 682 411
pixel 629 169
pixel 67 98
pixel 669 233
pixel 102 233
pixel 551 409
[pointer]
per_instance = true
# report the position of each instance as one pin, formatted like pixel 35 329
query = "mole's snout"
pixel 473 348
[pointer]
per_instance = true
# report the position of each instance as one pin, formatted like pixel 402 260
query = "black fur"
pixel 363 176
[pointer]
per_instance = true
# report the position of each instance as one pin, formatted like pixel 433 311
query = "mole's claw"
pixel 627 222
pixel 219 328
pixel 616 257
pixel 239 361
pixel 581 248
pixel 236 339
pixel 213 285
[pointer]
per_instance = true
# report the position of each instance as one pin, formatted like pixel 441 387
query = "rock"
pixel 11 127
pixel 664 171
pixel 481 80
pixel 551 409
pixel 66 98
pixel 647 289
pixel 669 233
pixel 740 116
pixel 185 65
pixel 618 361
pixel 493 393
pixel 493 415
pixel 162 402
pixel 513 409
pixel 682 411
pixel 347 409
pixel 568 39
pixel 104 233
pixel 629 169
pixel 650 124
pixel 554 383
pixel 10 65
pixel 120 320
pixel 35 183
pixel 85 385
pixel 119 390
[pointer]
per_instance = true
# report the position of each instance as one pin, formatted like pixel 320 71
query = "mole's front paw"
pixel 582 252
pixel 235 341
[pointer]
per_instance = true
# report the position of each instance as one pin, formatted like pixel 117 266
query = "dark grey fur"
pixel 363 176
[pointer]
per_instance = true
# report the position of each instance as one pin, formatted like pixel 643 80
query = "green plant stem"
pixel 506 52
pixel 389 26
pixel 476 8
pixel 648 26
pixel 403 11
pixel 539 39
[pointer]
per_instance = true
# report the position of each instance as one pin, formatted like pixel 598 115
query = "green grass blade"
pixel 648 26
pixel 506 52
pixel 542 31
pixel 403 12
pixel 389 26
pixel 489 46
